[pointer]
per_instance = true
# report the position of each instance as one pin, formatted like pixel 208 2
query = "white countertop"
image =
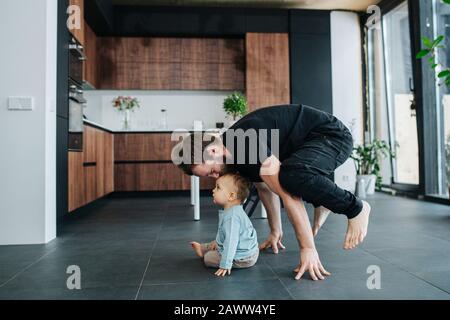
pixel 150 130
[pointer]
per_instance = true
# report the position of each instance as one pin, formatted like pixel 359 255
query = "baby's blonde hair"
pixel 243 185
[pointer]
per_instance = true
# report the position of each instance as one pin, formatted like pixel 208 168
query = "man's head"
pixel 231 188
pixel 206 158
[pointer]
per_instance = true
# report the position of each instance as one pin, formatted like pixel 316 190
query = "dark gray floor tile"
pixel 14 259
pixel 113 240
pixel 220 290
pixel 102 264
pixel 350 276
pixel 175 261
pixel 43 293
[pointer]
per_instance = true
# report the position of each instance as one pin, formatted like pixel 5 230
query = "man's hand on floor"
pixel 273 241
pixel 309 261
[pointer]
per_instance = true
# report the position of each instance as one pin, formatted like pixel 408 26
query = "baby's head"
pixel 231 189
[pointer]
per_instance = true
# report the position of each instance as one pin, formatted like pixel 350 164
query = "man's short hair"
pixel 243 185
pixel 189 143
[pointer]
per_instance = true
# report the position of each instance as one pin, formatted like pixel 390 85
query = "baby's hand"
pixel 222 272
pixel 213 245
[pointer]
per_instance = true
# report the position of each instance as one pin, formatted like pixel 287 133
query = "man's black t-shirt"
pixel 293 124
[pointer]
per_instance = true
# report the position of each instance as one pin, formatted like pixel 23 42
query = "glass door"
pixel 441 18
pixel 402 121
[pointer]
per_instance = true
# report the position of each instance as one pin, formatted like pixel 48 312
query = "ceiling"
pixel 354 5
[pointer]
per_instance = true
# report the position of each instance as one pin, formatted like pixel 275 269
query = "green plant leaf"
pixel 434 66
pixel 437 41
pixel 422 53
pixel 446 1
pixel 427 42
pixel 444 73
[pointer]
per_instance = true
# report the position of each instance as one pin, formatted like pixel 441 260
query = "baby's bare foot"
pixel 320 216
pixel 197 248
pixel 357 228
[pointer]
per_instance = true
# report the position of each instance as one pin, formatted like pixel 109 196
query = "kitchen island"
pixel 126 161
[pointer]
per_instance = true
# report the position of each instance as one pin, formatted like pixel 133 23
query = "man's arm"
pixel 299 218
pixel 271 202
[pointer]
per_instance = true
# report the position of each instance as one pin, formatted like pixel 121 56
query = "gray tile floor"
pixel 138 248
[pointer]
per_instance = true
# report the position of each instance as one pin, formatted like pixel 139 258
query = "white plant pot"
pixel 369 182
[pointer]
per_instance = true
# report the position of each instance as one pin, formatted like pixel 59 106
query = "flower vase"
pixel 126 120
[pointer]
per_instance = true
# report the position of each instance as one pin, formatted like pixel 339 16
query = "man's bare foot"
pixel 197 248
pixel 357 228
pixel 320 216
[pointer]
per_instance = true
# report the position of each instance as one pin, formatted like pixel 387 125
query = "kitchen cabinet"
pixel 76 187
pixel 143 146
pixel 91 172
pixel 108 164
pixel 171 63
pixel 154 177
pixel 143 163
pixel 90 183
pixel 79 33
pixel 89 144
pixel 124 162
pixel 90 74
pixel 267 69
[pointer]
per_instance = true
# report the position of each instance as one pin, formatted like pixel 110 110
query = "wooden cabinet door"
pixel 142 147
pixel 100 158
pixel 76 181
pixel 108 169
pixel 267 77
pixel 79 33
pixel 90 65
pixel 89 144
pixel 158 63
pixel 90 183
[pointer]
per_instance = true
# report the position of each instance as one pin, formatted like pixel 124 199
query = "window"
pixel 441 25
pixel 399 78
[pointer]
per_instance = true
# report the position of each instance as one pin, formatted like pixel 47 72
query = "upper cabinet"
pixel 171 63
pixel 79 32
pixel 267 75
pixel 90 75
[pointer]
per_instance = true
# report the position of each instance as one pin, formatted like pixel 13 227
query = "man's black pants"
pixel 306 173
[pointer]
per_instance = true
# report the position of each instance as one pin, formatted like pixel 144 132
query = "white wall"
pixel 347 84
pixel 183 107
pixel 28 31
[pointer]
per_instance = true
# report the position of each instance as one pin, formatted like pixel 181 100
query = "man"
pixel 297 150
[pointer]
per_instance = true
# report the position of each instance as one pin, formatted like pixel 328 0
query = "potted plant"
pixel 367 160
pixel 125 105
pixel 235 105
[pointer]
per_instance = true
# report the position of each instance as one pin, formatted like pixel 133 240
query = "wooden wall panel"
pixel 171 63
pixel 107 70
pixel 267 75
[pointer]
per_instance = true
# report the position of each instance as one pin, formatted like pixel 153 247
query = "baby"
pixel 236 244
